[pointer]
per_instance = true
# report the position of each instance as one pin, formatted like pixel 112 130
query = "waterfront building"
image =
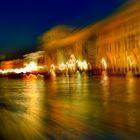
pixel 11 64
pixel 112 43
pixel 34 57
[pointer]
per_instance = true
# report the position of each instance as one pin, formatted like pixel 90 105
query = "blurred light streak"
pixel 103 61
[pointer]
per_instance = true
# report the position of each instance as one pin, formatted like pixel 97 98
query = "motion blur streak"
pixel 78 107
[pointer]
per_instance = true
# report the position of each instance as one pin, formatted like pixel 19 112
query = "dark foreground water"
pixel 75 108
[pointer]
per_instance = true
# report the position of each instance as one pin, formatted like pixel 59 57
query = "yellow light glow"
pixel 28 68
pixel 103 61
pixel 71 65
pixel 129 60
pixel 31 67
pixel 62 66
pixel 82 65
pixel 52 67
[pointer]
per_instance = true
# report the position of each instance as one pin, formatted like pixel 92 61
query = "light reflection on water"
pixel 70 108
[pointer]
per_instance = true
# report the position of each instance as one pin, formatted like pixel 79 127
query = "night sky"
pixel 23 21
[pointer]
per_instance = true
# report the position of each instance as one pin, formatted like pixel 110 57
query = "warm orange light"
pixel 103 61
pixel 129 60
pixel 28 68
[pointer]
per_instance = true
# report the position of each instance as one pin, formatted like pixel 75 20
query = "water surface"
pixel 67 108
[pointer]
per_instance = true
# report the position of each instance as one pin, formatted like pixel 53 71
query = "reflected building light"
pixel 53 74
pixel 131 89
pixel 105 77
pixel 52 70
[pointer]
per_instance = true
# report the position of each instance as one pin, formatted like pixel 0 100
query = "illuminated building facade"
pixel 112 44
pixel 11 64
pixel 118 41
pixel 35 57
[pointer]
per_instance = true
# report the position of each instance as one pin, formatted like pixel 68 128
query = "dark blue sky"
pixel 22 21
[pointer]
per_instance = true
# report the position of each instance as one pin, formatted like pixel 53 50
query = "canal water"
pixel 70 108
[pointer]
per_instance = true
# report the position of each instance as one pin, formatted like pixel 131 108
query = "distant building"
pixel 35 57
pixel 11 64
